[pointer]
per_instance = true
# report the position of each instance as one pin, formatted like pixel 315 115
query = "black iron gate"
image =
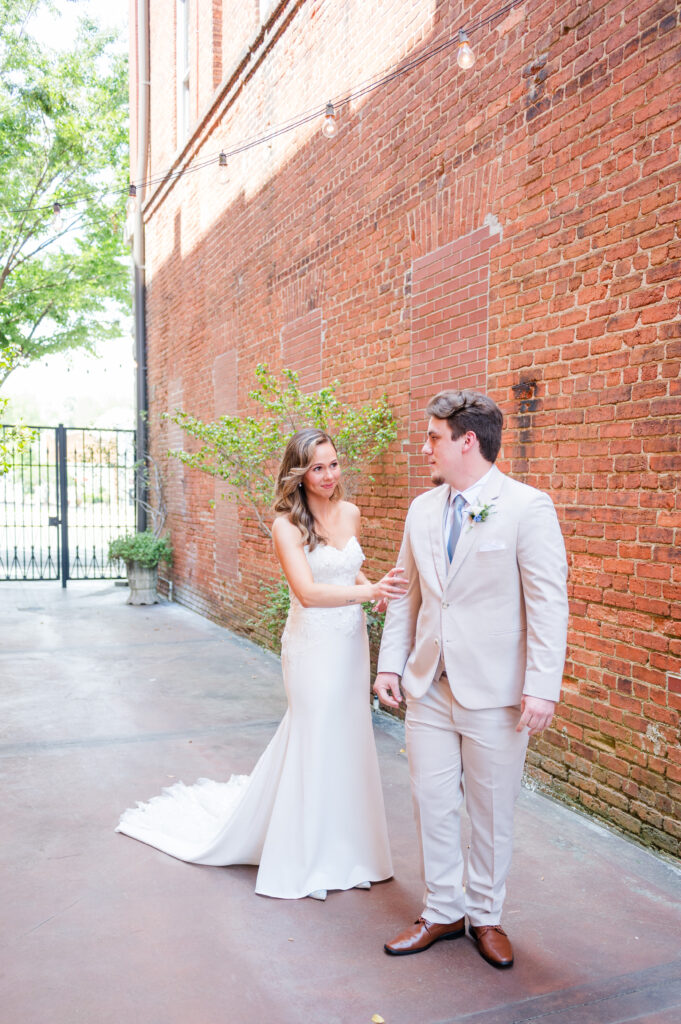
pixel 63 499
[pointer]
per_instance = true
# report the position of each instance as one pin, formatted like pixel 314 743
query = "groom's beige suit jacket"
pixel 496 619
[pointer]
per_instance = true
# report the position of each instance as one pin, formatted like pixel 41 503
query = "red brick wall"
pixel 226 538
pixel 449 321
pixel 539 192
pixel 240 25
pixel 301 349
pixel 163 89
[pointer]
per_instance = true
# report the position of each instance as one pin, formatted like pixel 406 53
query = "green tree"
pixel 245 451
pixel 13 439
pixel 64 281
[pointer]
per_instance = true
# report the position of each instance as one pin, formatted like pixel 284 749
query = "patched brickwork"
pixel 301 349
pixel 449 322
pixel 514 227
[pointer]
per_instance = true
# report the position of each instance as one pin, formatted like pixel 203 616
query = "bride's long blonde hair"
pixel 289 495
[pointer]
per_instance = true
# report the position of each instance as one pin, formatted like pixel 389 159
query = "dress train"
pixel 311 813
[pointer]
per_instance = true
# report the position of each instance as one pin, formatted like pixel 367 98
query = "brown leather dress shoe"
pixel 423 934
pixel 493 944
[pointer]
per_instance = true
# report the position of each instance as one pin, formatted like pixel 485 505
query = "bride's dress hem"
pixel 330 883
pixel 330 887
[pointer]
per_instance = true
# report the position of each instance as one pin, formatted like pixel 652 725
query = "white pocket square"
pixel 493 545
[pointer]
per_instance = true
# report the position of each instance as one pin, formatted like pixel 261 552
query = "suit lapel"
pixel 437 541
pixel 471 533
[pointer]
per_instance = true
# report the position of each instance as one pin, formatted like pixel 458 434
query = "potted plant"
pixel 141 553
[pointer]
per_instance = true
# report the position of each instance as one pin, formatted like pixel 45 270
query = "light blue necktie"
pixel 455 530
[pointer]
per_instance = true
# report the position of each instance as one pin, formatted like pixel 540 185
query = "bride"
pixel 311 813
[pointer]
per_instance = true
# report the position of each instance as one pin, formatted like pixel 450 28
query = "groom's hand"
pixel 535 714
pixel 387 689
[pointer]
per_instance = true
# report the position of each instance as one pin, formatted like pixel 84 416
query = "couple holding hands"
pixel 474 640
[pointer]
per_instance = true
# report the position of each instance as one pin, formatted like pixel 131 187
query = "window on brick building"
pixel 182 66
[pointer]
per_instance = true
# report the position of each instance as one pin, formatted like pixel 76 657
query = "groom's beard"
pixel 437 480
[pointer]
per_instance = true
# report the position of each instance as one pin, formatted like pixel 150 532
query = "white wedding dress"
pixel 311 813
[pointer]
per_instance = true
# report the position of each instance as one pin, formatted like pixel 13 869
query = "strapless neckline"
pixel 332 547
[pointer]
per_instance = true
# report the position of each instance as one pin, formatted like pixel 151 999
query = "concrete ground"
pixel 104 704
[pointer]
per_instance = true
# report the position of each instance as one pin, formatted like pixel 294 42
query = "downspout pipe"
pixel 138 258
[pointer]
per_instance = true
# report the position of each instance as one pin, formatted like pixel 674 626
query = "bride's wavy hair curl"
pixel 289 494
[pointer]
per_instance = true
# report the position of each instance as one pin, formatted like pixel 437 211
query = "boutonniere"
pixel 479 513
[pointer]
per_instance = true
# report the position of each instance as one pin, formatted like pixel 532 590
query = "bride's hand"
pixel 392 585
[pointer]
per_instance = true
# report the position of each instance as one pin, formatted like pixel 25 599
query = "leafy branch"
pixel 13 439
pixel 245 451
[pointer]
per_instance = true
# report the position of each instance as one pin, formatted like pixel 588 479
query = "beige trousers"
pixel 454 751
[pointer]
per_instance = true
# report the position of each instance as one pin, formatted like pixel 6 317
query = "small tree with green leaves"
pixel 64 278
pixel 13 439
pixel 245 451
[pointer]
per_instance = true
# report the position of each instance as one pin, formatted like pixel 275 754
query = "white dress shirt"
pixel 470 496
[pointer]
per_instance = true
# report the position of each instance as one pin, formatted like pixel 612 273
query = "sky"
pixel 58 30
pixel 77 389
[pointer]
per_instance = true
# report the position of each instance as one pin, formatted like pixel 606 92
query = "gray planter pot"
pixel 142 582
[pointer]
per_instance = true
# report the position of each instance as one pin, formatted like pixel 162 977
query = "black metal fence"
pixel 61 502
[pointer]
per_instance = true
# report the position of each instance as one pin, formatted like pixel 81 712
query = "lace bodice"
pixel 335 565
pixel 311 625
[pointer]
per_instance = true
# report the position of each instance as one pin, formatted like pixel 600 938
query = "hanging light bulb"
pixel 222 159
pixel 465 58
pixel 329 128
pixel 56 216
pixel 132 200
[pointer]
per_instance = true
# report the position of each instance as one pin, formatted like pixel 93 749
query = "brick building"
pixel 513 227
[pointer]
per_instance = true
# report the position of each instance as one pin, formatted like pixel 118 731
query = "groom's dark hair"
pixel 470 410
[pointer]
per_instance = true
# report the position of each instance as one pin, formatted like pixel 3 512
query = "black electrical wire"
pixel 356 93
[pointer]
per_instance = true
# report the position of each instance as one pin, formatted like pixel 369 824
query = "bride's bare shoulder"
pixel 350 512
pixel 284 530
pixel 283 524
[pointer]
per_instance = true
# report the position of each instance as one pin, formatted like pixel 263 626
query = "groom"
pixel 478 642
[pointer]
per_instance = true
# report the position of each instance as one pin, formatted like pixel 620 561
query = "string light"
pixel 132 200
pixel 465 57
pixel 329 127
